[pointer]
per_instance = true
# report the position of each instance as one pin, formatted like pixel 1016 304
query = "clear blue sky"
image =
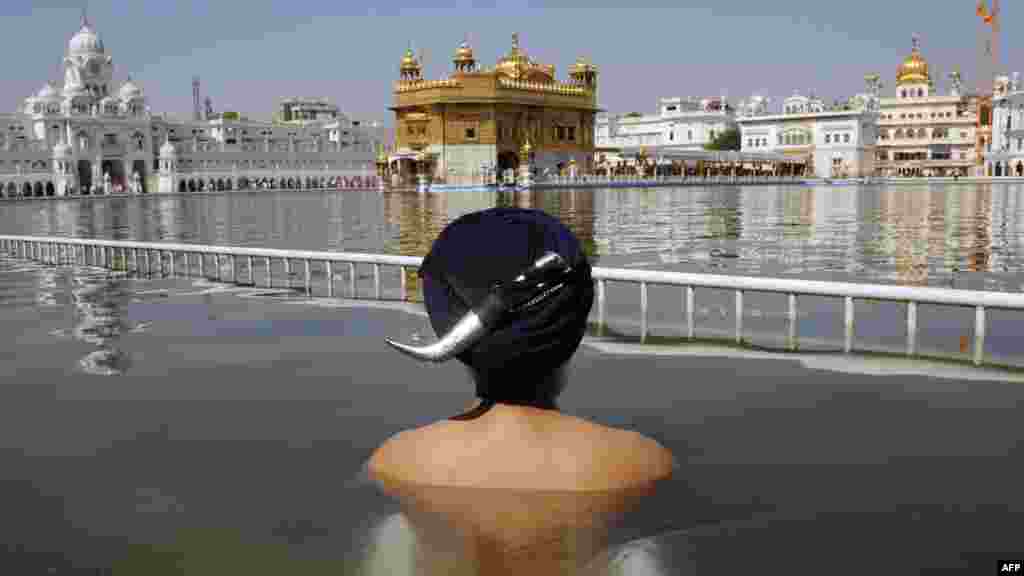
pixel 250 53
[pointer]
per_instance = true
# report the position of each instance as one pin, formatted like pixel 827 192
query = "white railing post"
pixel 848 324
pixel 792 317
pixel 376 281
pixel 979 334
pixel 234 268
pixel 149 267
pixel 307 280
pixel 402 286
pixel 202 265
pixel 690 328
pixel 739 316
pixel 172 253
pixel 288 272
pixel 911 328
pixel 352 280
pixel 270 277
pixel 600 306
pixel 643 312
pixel 252 273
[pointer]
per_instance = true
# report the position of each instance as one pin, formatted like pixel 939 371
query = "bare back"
pixel 522 448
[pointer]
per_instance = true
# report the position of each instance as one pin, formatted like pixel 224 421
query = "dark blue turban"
pixel 479 249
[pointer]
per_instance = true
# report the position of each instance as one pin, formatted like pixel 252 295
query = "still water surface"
pixel 967 235
pixel 144 423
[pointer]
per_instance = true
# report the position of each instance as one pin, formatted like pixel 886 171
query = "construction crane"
pixel 988 67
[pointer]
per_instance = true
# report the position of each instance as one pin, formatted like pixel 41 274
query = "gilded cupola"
pixel 583 72
pixel 914 69
pixel 518 66
pixel 409 69
pixel 464 60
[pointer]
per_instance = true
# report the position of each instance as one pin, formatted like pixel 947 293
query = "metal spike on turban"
pixel 542 280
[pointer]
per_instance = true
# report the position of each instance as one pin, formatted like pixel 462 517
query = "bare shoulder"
pixel 630 457
pixel 399 457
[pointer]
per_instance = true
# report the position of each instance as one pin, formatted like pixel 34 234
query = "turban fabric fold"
pixel 483 248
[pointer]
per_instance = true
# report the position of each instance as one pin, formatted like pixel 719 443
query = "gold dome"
pixel 914 69
pixel 409 62
pixel 464 53
pixel 582 65
pixel 518 66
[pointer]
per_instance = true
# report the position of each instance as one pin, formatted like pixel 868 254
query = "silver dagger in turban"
pixel 546 277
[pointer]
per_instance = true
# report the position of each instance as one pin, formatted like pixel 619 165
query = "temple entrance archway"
pixel 1020 168
pixel 507 161
pixel 50 189
pixel 26 190
pixel 192 185
pixel 85 176
pixel 116 170
pixel 139 167
pixel 182 186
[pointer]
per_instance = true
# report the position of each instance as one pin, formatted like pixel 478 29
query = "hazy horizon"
pixel 249 60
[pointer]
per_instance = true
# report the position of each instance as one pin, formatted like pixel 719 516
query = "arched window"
pixel 828 138
pixel 846 138
pixel 920 93
pixel 921 133
pixel 903 93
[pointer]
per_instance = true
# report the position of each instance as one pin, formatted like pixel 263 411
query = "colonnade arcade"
pixel 1013 167
pixel 641 163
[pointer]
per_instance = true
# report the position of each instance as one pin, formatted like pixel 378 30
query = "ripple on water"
pixel 105 362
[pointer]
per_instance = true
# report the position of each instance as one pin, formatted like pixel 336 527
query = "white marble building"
pixel 831 142
pixel 680 124
pixel 92 137
pixel 1005 156
pixel 922 132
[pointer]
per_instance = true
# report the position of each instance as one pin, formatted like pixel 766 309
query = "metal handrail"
pixel 57 250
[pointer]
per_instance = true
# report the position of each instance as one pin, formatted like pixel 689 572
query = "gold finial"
pixel 524 150
pixel 515 41
pixel 915 40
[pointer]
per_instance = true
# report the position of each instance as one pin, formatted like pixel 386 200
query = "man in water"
pixel 513 485
pixel 514 436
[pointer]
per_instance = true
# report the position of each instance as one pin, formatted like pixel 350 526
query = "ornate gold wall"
pixel 516 101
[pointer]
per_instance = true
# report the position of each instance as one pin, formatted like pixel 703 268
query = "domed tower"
pixel 88 68
pixel 133 101
pixel 410 69
pixel 63 169
pixel 168 168
pixel 912 77
pixel 584 73
pixel 464 60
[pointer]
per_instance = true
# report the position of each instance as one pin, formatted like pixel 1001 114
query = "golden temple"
pixel 471 126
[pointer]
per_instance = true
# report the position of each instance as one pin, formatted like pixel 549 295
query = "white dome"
pixel 48 92
pixel 85 41
pixel 167 149
pixel 130 90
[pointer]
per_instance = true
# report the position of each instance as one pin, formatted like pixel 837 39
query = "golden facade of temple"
pixel 470 127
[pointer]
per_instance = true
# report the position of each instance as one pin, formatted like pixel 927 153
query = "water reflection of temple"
pixel 1008 217
pixel 98 321
pixel 421 217
pixel 941 228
